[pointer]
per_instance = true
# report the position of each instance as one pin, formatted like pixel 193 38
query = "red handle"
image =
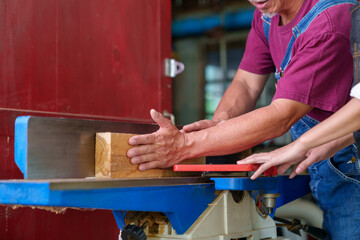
pixel 223 168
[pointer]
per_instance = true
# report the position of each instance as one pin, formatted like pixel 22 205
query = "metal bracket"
pixel 279 184
pixel 173 67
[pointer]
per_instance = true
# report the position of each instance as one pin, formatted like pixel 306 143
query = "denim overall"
pixel 355 49
pixel 334 182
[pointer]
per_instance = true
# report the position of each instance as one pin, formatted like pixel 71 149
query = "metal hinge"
pixel 173 67
pixel 170 116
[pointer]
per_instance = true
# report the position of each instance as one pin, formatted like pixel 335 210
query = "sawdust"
pixel 56 210
pixel 7 215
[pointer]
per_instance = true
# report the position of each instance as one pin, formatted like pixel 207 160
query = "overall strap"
pixel 302 26
pixel 266 26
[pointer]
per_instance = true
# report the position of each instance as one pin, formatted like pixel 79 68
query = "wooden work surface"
pixel 111 160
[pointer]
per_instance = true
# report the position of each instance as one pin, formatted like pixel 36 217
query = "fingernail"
pixel 129 154
pixel 142 168
pixel 132 141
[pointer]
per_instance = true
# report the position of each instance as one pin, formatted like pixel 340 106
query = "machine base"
pixel 224 219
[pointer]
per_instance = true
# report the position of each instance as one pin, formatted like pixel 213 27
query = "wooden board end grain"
pixel 111 160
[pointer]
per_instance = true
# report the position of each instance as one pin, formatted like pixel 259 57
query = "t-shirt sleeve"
pixel 355 91
pixel 257 58
pixel 319 74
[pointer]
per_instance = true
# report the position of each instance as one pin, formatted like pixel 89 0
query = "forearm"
pixel 340 143
pixel 169 146
pixel 342 123
pixel 243 132
pixel 236 101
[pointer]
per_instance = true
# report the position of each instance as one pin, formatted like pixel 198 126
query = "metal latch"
pixel 173 67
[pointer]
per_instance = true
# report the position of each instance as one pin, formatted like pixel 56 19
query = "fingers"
pixel 144 158
pixel 151 138
pixel 149 165
pixel 141 150
pixel 283 167
pixel 191 127
pixel 155 150
pixel 293 173
pixel 142 139
pixel 196 126
pixel 261 170
pixel 245 161
pixel 160 119
pixel 301 167
pixel 305 164
pixel 259 158
pixel 253 159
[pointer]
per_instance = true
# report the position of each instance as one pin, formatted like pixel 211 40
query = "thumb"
pixel 160 119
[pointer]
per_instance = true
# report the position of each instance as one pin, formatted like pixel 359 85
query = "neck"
pixel 290 10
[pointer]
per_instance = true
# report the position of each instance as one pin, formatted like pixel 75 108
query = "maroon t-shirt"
pixel 321 69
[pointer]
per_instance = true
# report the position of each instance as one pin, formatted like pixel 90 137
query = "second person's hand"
pixel 283 157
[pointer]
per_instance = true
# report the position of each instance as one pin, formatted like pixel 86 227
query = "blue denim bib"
pixel 355 49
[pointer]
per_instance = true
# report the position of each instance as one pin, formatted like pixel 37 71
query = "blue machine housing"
pixel 181 203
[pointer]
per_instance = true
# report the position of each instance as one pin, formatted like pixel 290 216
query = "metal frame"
pixel 181 203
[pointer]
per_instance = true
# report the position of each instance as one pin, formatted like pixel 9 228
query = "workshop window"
pixel 222 61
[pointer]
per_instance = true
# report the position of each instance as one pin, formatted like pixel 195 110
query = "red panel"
pixel 94 59
pixel 166 83
pixel 102 58
pixel 27 223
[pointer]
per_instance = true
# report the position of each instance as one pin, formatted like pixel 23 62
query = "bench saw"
pixel 56 156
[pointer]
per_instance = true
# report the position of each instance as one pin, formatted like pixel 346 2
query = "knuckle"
pixel 147 149
pixel 160 139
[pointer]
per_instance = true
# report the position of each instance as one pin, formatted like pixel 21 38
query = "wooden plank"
pixel 111 160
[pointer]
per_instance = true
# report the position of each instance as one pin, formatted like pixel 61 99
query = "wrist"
pixel 186 148
pixel 302 146
pixel 191 147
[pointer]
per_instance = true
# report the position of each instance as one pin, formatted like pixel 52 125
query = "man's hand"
pixel 161 149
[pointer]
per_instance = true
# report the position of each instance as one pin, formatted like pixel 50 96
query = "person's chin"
pixel 269 15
